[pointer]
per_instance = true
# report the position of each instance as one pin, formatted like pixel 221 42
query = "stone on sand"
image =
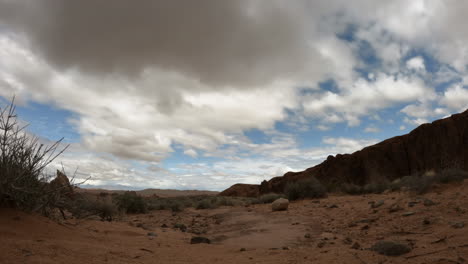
pixel 280 204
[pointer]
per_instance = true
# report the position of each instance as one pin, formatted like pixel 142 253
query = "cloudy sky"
pixel 204 94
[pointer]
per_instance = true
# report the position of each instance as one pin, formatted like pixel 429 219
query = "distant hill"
pixel 151 192
pixel 435 146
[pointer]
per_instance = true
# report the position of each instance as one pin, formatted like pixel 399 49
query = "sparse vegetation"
pixel 23 159
pixel 131 203
pixel 310 188
pixel 270 197
pixel 415 183
pixel 354 189
pixel 84 207
pixel 177 204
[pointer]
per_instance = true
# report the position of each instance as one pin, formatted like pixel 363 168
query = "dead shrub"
pixel 23 159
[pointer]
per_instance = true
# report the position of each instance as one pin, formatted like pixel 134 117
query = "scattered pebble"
pixel 356 245
pixel 390 248
pixel 458 225
pixel 408 214
pixel 428 202
pixel 321 244
pixel 199 240
pixel 377 204
pixel 347 241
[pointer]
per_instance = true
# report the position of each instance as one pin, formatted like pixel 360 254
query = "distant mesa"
pixel 430 147
pixel 244 190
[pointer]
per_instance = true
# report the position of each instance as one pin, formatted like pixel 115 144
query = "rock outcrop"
pixel 62 184
pixel 242 190
pixel 430 147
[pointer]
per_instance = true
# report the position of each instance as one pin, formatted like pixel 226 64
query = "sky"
pixel 204 94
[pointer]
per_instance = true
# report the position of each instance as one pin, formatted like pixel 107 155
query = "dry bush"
pixel 131 203
pixel 83 206
pixel 270 197
pixel 23 159
pixel 310 188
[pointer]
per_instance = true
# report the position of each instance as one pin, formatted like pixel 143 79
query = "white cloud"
pixel 416 63
pixel 371 129
pixel 364 96
pixel 456 98
pixel 191 152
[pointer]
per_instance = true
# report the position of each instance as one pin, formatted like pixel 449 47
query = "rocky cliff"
pixel 435 146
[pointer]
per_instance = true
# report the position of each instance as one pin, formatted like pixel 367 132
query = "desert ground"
pixel 336 229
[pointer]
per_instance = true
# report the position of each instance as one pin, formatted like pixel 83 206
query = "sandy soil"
pixel 338 229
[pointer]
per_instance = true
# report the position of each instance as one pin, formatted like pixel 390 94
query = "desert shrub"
pixel 376 187
pixel 225 201
pixel 23 159
pixel 415 183
pixel 270 197
pixel 352 189
pixel 451 175
pixel 82 207
pixel 131 203
pixel 310 188
pixel 205 204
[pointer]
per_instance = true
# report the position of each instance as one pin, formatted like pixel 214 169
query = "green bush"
pixel 131 203
pixel 23 159
pixel 204 204
pixel 270 197
pixel 310 188
pixel 225 201
pixel 82 207
pixel 376 187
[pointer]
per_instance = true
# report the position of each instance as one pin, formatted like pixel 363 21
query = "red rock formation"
pixel 62 184
pixel 435 146
pixel 243 190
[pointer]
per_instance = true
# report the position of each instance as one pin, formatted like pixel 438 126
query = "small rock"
pixel 366 220
pixel 280 204
pixel 365 227
pixel 458 225
pixel 199 240
pixel 347 241
pixel 394 208
pixel 390 248
pixel 307 235
pixel 152 234
pixel 182 227
pixel 412 203
pixel 428 202
pixel 426 221
pixel 285 248
pixel 332 206
pixel 377 204
pixel 242 249
pixel 321 244
pixel 356 245
pixel 407 214
pixel 164 226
